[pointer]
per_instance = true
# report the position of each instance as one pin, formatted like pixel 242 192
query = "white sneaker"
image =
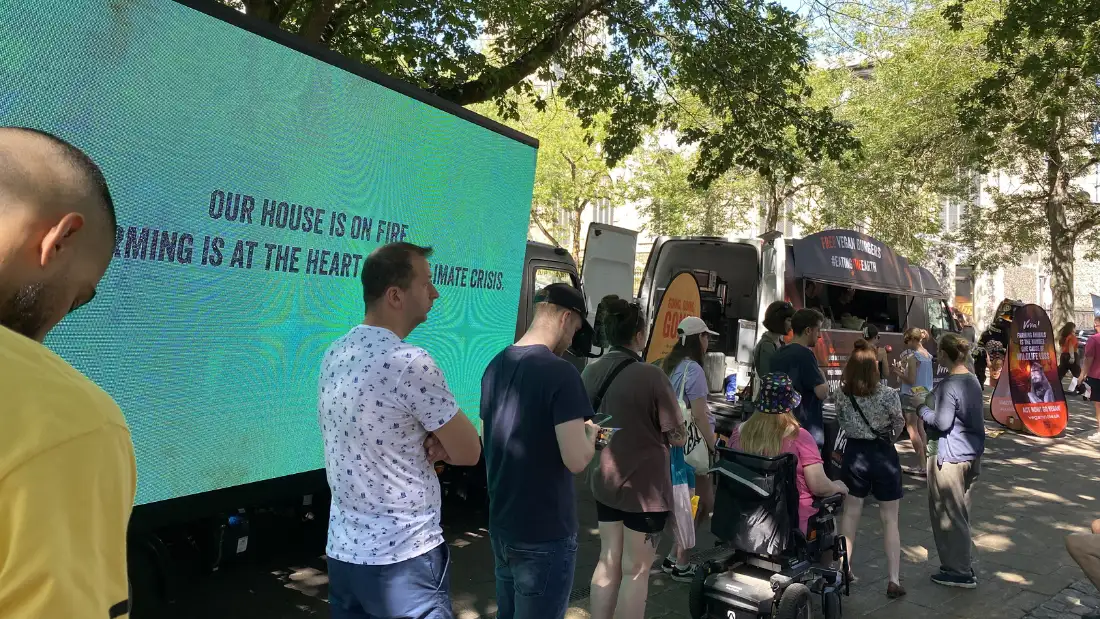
pixel 1095 437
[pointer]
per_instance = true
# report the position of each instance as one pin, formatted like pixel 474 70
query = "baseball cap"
pixel 693 325
pixel 564 295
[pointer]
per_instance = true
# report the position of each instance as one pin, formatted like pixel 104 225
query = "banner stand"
pixel 680 300
pixel 1029 394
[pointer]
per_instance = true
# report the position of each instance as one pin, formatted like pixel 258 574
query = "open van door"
pixel 729 275
pixel 609 255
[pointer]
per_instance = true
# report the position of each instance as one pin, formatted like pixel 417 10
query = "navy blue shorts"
pixel 872 468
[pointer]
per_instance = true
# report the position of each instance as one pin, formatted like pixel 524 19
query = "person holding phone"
pixel 538 432
pixel 629 477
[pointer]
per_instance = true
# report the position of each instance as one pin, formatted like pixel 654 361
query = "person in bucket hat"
pixel 774 430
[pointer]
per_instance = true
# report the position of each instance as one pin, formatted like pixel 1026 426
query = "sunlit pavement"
pixel 1032 493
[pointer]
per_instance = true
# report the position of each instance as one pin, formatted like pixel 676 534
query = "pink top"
pixel 1092 349
pixel 805 449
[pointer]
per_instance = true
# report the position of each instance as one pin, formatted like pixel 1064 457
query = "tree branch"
pixel 496 81
pixel 535 218
pixel 1088 222
pixel 340 19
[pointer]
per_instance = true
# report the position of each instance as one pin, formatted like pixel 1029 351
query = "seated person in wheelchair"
pixel 773 430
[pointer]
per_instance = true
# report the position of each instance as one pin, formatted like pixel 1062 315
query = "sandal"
pixel 894 591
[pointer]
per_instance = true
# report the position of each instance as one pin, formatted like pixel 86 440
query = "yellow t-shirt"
pixel 67 484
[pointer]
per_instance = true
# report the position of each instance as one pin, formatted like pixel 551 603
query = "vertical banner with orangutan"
pixel 1029 394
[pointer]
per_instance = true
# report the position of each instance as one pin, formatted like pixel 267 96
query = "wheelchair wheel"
pixel 831 605
pixel 795 603
pixel 697 603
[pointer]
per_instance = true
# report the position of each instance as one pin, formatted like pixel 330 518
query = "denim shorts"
pixel 417 587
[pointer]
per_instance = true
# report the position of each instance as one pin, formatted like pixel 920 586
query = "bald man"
pixel 67 475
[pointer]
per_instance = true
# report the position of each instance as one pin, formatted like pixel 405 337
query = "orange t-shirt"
pixel 1069 344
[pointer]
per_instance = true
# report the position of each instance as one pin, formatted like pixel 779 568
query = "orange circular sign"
pixel 680 300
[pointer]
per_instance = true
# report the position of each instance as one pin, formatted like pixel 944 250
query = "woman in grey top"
pixel 952 413
pixel 777 321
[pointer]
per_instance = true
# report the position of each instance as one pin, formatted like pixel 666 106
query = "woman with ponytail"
pixel 629 477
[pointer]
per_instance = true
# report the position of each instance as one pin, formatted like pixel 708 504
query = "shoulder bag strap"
pixel 607 383
pixel 862 416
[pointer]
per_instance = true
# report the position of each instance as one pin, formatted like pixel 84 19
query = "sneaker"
pixel 1095 437
pixel 683 574
pixel 668 565
pixel 951 580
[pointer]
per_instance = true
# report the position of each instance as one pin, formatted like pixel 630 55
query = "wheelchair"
pixel 773 571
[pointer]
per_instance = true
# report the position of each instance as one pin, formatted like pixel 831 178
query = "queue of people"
pixel 872 416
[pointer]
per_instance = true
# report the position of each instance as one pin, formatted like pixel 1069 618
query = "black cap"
pixel 564 295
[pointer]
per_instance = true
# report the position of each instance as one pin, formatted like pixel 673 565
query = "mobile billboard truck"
pixel 252 175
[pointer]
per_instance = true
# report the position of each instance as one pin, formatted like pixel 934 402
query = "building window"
pixel 605 213
pixel 565 219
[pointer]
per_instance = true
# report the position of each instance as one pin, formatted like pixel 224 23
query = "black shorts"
pixel 645 522
pixel 1094 384
pixel 872 467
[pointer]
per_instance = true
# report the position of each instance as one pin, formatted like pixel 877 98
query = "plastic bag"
pixel 1073 384
pixel 683 521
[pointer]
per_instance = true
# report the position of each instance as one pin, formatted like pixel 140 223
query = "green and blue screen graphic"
pixel 250 182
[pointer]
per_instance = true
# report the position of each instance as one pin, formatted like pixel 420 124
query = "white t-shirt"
pixel 379 398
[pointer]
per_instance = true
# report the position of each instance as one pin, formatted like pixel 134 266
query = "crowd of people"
pixel 387 415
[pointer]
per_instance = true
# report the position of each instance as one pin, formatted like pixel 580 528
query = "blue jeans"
pixel 417 588
pixel 534 580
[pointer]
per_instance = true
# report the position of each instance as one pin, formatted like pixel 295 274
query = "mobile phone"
pixel 603 437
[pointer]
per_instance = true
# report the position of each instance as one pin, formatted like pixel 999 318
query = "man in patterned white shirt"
pixel 383 403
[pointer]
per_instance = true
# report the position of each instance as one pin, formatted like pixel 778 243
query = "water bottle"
pixel 731 388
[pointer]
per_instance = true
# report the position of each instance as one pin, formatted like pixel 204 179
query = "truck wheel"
pixel 795 603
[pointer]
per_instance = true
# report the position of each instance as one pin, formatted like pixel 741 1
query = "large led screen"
pixel 250 181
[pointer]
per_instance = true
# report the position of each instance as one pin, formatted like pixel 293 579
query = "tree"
pixel 1036 116
pixel 571 174
pixel 672 205
pixel 900 93
pixel 622 60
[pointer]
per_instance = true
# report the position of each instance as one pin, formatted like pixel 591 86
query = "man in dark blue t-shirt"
pixel 799 362
pixel 535 412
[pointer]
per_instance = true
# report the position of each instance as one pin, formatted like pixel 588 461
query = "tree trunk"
pixel 709 223
pixel 1062 244
pixel 577 212
pixel 771 216
pixel 260 9
pixel 320 11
